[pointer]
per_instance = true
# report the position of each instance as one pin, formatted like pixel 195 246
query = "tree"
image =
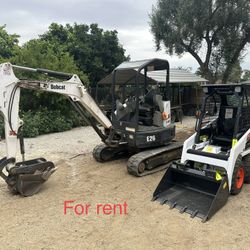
pixel 42 54
pixel 234 77
pixel 95 51
pixel 87 51
pixel 8 44
pixel 45 112
pixel 246 75
pixel 236 73
pixel 214 32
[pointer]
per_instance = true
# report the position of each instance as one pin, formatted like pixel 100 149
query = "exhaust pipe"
pixel 192 191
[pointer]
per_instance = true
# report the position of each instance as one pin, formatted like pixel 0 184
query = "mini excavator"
pixel 141 125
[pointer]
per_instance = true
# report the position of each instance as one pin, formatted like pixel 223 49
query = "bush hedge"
pixel 47 121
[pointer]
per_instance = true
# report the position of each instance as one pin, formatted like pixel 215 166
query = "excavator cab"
pixel 141 117
pixel 143 120
pixel 212 163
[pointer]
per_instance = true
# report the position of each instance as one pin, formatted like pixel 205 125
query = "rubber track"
pixel 135 160
pixel 116 153
pixel 97 152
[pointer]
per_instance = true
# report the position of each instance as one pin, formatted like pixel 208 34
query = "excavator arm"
pixel 26 177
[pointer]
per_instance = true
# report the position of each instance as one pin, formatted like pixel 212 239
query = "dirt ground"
pixel 39 222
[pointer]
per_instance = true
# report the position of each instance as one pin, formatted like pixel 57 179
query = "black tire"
pixel 246 162
pixel 238 178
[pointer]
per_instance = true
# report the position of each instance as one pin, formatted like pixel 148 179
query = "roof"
pixel 132 64
pixel 149 64
pixel 176 76
pixel 154 77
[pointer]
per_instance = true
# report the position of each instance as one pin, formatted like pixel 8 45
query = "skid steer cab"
pixel 215 160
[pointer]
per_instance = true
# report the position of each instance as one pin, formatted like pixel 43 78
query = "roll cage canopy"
pixel 141 67
pixel 232 96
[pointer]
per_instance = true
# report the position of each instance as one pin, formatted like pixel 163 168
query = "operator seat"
pixel 225 126
pixel 146 109
pixel 151 105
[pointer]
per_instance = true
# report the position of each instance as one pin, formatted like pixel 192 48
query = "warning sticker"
pixel 229 113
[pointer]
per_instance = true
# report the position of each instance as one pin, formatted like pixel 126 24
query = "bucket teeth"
pixel 205 218
pixel 194 213
pixel 173 205
pixel 163 202
pixel 183 209
pixel 154 198
pixel 26 178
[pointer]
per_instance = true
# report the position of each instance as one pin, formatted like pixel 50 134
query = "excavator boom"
pixel 26 177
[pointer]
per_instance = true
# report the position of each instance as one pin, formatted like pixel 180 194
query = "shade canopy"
pixel 153 77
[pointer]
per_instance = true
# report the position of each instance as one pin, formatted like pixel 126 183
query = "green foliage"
pixel 37 53
pixel 88 51
pixel 214 32
pixel 234 77
pixel 246 75
pixel 47 121
pixel 95 51
pixel 41 54
pixel 8 44
pixel 236 73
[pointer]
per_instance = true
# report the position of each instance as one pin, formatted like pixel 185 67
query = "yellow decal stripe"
pixel 234 142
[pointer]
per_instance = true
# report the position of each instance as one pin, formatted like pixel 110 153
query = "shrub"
pixel 48 121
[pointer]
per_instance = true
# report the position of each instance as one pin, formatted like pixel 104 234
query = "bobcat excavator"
pixel 141 125
pixel 215 161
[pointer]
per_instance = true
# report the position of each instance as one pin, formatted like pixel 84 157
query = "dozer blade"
pixel 192 191
pixel 27 177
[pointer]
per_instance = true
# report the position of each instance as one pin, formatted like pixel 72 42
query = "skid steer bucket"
pixel 27 177
pixel 191 191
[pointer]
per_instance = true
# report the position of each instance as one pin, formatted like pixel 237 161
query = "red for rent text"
pixel 79 209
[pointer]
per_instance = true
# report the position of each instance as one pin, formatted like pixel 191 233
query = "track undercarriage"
pixel 140 163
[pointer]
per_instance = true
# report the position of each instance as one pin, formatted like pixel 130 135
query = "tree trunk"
pixel 207 74
pixel 235 57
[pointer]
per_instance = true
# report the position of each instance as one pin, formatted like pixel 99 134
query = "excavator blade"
pixel 27 177
pixel 192 191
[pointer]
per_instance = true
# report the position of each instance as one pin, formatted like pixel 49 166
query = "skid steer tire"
pixel 246 162
pixel 238 178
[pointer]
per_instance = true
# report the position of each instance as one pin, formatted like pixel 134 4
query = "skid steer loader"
pixel 215 161
pixel 140 125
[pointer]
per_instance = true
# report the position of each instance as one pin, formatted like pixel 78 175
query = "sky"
pixel 29 18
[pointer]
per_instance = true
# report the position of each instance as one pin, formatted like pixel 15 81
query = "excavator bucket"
pixel 26 178
pixel 192 191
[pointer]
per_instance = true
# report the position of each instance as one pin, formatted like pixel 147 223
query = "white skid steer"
pixel 215 160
